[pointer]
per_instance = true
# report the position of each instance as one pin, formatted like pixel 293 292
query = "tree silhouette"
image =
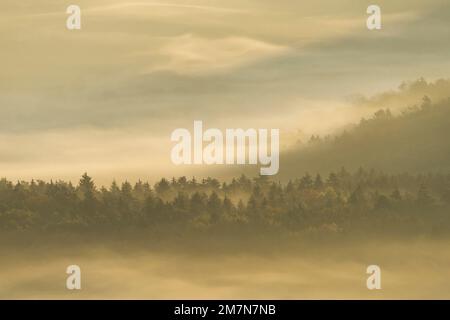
pixel 399 201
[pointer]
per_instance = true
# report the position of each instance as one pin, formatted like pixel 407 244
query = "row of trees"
pixel 341 202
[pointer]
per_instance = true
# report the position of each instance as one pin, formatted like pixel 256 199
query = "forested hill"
pixel 416 141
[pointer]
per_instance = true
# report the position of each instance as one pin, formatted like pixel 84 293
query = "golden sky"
pixel 104 99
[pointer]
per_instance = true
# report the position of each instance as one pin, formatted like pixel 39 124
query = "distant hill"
pixel 417 140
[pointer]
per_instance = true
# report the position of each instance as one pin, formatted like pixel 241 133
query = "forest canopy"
pixel 341 202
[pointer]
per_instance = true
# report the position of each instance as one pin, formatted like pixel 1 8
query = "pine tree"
pixel 424 198
pixel 318 183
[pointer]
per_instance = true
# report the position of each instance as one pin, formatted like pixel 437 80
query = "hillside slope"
pixel 415 141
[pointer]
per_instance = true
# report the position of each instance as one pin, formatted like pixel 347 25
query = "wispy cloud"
pixel 124 5
pixel 191 54
pixel 139 8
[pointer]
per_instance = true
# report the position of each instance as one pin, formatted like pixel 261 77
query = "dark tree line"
pixel 339 202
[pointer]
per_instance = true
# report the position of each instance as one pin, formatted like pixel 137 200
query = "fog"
pixel 410 269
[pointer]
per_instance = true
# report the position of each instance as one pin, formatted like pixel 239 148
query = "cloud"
pixel 193 55
pixel 138 8
pixel 126 5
